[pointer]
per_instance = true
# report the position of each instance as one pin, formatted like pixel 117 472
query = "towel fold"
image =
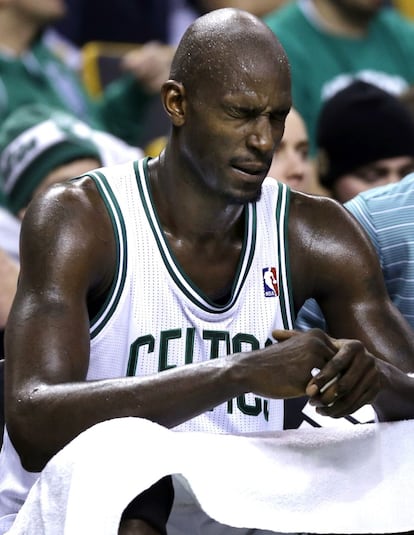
pixel 315 480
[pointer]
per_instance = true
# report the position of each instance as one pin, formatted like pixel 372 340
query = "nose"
pixel 261 137
pixel 296 164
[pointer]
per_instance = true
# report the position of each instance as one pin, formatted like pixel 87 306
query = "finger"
pixel 281 335
pixel 345 407
pixel 327 385
pixel 328 388
pixel 334 368
pixel 357 386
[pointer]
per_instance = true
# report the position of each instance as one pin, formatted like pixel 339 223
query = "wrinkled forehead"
pixel 257 77
pixel 254 66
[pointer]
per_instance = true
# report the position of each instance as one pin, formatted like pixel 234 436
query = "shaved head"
pixel 228 95
pixel 224 42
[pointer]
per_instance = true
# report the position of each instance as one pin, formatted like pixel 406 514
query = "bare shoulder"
pixel 327 243
pixel 62 202
pixel 68 222
pixel 318 220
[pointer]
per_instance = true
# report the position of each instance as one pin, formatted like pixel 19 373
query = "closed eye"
pixel 243 113
pixel 278 117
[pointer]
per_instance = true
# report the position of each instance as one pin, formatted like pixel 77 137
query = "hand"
pixel 150 64
pixel 283 370
pixel 351 379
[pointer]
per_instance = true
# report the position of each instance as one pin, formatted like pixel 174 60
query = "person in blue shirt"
pixel 387 215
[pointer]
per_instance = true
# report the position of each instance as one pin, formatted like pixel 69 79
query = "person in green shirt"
pixel 329 43
pixel 31 71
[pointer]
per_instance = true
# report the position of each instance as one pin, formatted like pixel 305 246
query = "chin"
pixel 245 197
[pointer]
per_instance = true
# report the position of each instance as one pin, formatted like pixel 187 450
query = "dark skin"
pixel 68 261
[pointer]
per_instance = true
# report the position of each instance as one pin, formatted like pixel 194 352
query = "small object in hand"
pixel 325 387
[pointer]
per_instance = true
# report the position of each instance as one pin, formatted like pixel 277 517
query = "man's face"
pixel 41 11
pixel 291 163
pixel 232 127
pixel 376 174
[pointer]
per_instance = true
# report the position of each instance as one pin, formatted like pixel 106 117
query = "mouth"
pixel 251 169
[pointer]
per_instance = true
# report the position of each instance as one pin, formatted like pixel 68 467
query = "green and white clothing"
pixel 155 318
pixel 41 76
pixel 323 63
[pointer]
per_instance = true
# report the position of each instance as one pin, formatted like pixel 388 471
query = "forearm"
pixel 45 419
pixel 396 399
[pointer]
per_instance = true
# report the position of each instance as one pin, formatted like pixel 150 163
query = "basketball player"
pixel 145 288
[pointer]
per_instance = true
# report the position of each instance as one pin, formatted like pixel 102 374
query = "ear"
pixel 173 99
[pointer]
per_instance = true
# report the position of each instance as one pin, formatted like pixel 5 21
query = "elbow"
pixel 27 434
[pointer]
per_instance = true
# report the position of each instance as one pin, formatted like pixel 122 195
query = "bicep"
pixel 47 336
pixel 355 301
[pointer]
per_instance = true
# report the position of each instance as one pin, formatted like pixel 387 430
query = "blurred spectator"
pixel 330 43
pixel 365 139
pixel 31 71
pixel 154 26
pixel 291 163
pixel 387 214
pixel 40 146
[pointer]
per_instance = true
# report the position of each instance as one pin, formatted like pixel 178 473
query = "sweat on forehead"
pixel 221 39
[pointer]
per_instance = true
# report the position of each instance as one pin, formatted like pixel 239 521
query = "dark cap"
pixel 34 140
pixel 360 125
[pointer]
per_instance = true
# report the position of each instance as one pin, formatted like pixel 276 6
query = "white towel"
pixel 344 480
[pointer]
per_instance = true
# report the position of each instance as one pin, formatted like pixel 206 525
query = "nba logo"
pixel 270 286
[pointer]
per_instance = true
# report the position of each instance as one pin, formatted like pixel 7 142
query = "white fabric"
pixel 113 150
pixel 155 318
pixel 9 233
pixel 352 480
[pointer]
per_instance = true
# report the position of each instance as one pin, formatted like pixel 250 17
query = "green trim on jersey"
pixel 190 290
pixel 282 220
pixel 118 224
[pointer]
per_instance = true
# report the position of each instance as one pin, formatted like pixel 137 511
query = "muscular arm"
pixel 68 255
pixel 344 275
pixel 67 263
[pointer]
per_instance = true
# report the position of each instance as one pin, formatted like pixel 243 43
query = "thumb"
pixel 281 335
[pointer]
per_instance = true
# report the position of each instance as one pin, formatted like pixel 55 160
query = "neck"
pixel 184 210
pixel 16 33
pixel 340 20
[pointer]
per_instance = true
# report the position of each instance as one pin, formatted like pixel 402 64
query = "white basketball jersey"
pixel 155 317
